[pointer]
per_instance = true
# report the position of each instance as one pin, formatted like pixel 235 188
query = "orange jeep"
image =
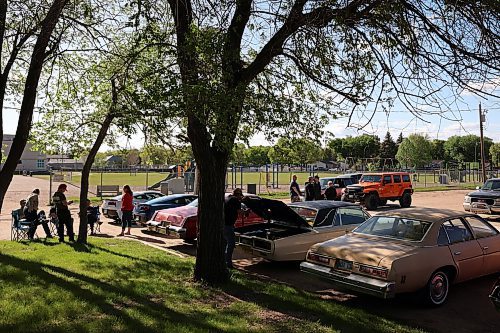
pixel 374 189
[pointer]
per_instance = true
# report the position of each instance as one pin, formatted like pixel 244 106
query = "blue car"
pixel 144 211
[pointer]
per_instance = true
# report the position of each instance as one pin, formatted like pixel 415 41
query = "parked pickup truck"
pixel 486 200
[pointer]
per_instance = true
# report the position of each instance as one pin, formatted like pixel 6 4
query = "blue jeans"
pixel 230 244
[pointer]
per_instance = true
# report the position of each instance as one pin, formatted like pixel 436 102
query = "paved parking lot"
pixel 467 309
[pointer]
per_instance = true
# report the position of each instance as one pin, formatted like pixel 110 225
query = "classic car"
pixel 111 207
pixel 486 200
pixel 144 211
pixel 495 294
pixel 182 222
pixel 416 249
pixel 289 231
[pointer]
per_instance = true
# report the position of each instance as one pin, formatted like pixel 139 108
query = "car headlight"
pixel 497 202
pixel 467 199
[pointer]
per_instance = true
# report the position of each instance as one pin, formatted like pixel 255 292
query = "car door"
pixel 465 250
pixel 489 240
pixel 388 188
pixel 398 186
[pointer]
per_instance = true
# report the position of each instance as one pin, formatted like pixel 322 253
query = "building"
pixel 31 160
pixel 64 162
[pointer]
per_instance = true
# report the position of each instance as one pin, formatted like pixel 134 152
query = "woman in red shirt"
pixel 127 208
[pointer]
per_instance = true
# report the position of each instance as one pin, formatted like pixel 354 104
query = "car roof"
pixel 385 173
pixel 425 214
pixel 322 204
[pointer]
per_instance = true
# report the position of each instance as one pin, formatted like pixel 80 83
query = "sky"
pixel 463 120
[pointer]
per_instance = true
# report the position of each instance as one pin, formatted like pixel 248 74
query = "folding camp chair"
pixel 20 227
pixel 97 223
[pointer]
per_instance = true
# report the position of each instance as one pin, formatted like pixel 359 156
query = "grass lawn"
pixel 117 285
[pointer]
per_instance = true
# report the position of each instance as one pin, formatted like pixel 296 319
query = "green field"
pixel 116 285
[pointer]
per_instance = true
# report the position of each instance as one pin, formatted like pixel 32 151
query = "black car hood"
pixel 275 210
pixel 484 193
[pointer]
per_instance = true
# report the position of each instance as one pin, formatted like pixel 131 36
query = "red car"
pixel 182 221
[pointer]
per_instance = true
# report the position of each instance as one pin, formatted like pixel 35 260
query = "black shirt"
pixel 294 185
pixel 58 199
pixel 309 192
pixel 231 207
pixel 330 193
pixel 317 192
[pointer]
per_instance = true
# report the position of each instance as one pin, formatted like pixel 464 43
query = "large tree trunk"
pixel 29 97
pixel 84 186
pixel 210 264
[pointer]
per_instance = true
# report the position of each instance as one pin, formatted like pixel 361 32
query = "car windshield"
pixel 193 203
pixel 308 214
pixel 492 185
pixel 394 227
pixel 324 181
pixel 370 179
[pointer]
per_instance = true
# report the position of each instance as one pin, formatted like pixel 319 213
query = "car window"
pixel 371 178
pixel 491 185
pixel 480 228
pixel 179 201
pixel 397 178
pixel 442 238
pixel 140 197
pixel 327 221
pixel 351 215
pixel 308 214
pixel 189 199
pixel 153 195
pixel 387 179
pixel 406 178
pixel 457 232
pixel 395 227
pixel 348 181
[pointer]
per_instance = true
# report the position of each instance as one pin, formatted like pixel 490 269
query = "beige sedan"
pixel 289 231
pixel 409 250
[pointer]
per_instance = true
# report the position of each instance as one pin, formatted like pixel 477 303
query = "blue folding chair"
pixel 20 227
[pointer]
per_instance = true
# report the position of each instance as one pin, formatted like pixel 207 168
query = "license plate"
pixel 343 264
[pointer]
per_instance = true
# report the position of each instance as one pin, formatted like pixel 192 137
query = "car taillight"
pixel 378 272
pixel 190 222
pixel 318 258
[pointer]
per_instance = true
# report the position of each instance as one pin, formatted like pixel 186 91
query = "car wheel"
pixel 371 201
pixel 382 202
pixel 437 288
pixel 405 200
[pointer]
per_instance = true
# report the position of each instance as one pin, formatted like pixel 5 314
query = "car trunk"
pixel 282 222
pixel 175 216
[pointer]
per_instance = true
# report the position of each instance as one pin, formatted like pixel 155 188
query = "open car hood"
pixel 275 210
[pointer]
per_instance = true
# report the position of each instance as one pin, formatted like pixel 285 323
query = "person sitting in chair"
pixel 30 214
pixel 92 216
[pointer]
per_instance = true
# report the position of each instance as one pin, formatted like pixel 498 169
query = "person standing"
pixel 331 192
pixel 127 208
pixel 317 189
pixel 310 189
pixel 63 213
pixel 232 204
pixel 294 190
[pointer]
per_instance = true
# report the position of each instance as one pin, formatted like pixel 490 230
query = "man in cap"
pixel 232 205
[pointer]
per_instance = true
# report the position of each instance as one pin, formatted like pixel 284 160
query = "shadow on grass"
pixel 305 306
pixel 77 284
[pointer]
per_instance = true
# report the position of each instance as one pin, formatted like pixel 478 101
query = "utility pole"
pixel 481 121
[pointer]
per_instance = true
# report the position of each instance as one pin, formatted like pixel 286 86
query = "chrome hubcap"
pixel 438 287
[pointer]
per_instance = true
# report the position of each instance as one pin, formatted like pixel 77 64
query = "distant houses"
pixel 31 160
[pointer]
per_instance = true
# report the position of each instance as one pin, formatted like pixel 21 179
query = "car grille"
pixel 485 200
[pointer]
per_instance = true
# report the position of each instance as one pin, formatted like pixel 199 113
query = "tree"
pixel 495 153
pixel 351 50
pixel 239 156
pixel 16 40
pixel 415 151
pixel 258 155
pixel 466 148
pixel 438 152
pixel 281 152
pixel 304 151
pixel 400 139
pixel 388 147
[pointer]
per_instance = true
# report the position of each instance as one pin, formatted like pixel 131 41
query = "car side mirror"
pixel 477 188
